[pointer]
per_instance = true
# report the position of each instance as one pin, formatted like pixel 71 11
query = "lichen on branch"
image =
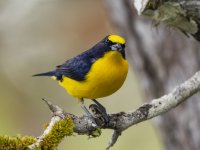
pixel 55 132
pixel 52 136
pixel 18 142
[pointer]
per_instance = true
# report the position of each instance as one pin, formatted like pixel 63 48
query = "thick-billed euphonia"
pixel 95 73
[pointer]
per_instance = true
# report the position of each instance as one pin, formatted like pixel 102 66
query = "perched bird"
pixel 95 73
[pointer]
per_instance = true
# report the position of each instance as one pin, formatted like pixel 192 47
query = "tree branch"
pixel 183 15
pixel 123 120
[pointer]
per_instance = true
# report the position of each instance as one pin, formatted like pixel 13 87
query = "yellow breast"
pixel 105 77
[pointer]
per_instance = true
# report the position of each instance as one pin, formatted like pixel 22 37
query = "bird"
pixel 95 73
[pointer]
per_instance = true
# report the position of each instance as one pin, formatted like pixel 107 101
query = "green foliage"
pixel 59 131
pixel 16 142
pixel 174 16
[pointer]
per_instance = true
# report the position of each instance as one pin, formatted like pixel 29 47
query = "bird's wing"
pixel 76 68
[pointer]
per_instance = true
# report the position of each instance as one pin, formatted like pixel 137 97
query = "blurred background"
pixel 37 35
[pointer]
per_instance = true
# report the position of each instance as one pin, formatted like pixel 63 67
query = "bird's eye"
pixel 109 42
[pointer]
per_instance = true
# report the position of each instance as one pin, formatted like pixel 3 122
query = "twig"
pixel 113 139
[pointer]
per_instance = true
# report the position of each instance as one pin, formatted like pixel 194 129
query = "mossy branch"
pixel 59 127
pixel 64 124
pixel 56 130
pixel 16 142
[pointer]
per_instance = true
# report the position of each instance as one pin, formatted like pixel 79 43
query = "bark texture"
pixel 162 58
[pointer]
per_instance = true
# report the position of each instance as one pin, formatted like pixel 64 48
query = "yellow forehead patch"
pixel 116 39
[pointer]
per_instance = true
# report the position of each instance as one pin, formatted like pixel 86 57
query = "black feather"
pixel 50 73
pixel 78 67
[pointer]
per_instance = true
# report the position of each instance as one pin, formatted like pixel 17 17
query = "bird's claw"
pixel 101 117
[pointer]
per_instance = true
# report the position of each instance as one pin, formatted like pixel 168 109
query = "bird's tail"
pixel 50 73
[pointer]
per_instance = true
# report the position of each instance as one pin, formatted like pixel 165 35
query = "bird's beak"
pixel 116 47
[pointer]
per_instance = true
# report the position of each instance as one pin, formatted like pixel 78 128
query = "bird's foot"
pixel 99 112
pixel 88 114
pixel 99 116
